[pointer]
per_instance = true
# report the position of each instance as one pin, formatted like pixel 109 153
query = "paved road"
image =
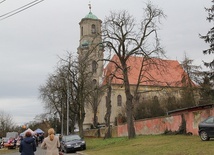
pixel 40 151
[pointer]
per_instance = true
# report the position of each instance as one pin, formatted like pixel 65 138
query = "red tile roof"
pixel 156 72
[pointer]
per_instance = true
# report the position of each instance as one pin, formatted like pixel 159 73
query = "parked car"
pixel 5 139
pixel 206 129
pixel 9 143
pixel 1 142
pixel 72 143
pixel 101 126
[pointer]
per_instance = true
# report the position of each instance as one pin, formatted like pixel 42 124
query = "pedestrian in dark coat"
pixel 28 145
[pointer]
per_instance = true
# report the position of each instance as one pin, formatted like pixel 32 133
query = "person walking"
pixel 27 145
pixel 51 143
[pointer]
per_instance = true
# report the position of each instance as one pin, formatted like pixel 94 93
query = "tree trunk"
pixel 129 112
pixel 81 116
pixel 80 124
pixel 81 130
pixel 72 122
pixel 95 106
pixel 95 119
pixel 129 105
pixel 108 112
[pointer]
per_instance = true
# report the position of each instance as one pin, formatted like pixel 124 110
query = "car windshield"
pixel 210 120
pixel 71 138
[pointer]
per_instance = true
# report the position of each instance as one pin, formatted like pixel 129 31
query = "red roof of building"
pixel 155 72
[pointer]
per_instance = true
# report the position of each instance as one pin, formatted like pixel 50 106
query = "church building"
pixel 161 82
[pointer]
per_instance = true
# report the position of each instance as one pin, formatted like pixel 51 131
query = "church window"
pixel 171 103
pixel 81 31
pixel 155 101
pixel 171 100
pixel 93 29
pixel 94 67
pixel 94 82
pixel 155 98
pixel 119 100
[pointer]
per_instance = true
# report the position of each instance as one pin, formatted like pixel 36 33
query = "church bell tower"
pixel 90 46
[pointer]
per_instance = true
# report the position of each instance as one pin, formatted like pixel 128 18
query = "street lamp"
pixel 62 128
pixel 68 98
pixel 67 103
pixel 55 120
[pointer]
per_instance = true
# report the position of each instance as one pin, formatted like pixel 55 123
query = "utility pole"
pixel 62 124
pixel 68 99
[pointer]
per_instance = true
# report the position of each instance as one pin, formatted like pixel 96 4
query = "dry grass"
pixel 7 151
pixel 150 145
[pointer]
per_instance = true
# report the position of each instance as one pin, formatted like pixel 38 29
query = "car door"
pixel 210 126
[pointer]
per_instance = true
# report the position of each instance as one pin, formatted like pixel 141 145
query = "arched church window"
pixel 94 67
pixel 119 100
pixel 82 31
pixel 172 100
pixel 93 29
pixel 171 103
pixel 155 98
pixel 94 82
pixel 155 101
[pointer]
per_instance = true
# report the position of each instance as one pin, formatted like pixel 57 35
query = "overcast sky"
pixel 32 40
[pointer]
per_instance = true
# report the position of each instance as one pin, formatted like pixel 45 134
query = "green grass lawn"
pixel 150 145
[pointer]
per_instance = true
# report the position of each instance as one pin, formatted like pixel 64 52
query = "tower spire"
pixel 89 5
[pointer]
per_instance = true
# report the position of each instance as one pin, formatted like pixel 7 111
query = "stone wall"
pixel 100 133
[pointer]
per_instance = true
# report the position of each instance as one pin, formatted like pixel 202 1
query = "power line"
pixel 2 1
pixel 20 9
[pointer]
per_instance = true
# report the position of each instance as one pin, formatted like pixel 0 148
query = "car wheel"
pixel 204 136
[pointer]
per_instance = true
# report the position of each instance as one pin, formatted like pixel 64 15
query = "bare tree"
pixel 123 37
pixel 70 89
pixel 53 94
pixel 6 123
pixel 94 100
pixel 60 92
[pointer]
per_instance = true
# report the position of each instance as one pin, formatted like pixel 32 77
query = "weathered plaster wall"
pixel 169 123
pixel 160 124
pixel 100 132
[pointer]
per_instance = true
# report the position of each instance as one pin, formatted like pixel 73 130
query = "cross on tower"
pixel 89 6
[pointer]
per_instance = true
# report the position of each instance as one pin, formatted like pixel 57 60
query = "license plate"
pixel 76 146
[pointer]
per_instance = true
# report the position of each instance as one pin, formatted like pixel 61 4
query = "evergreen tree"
pixel 209 38
pixel 206 93
pixel 191 72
